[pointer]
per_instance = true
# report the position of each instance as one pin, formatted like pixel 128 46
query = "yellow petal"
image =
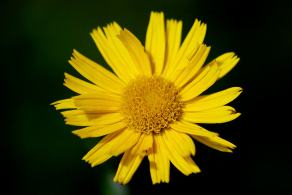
pixel 181 163
pixel 226 63
pixel 109 118
pixel 79 117
pixel 114 52
pixel 155 41
pixel 100 130
pixel 202 82
pixel 125 142
pixel 119 51
pixel 189 46
pixel 105 49
pixel 195 64
pixel 109 96
pixel 192 164
pixel 117 145
pixel 182 142
pixel 97 103
pixel 82 118
pixel 159 163
pixel 216 143
pixel 127 167
pixel 96 73
pixel 221 114
pixel 64 104
pixel 145 142
pixel 104 141
pixel 132 159
pixel 214 100
pixel 153 164
pixel 173 40
pixel 191 128
pixel 80 86
pixel 153 167
pixel 163 162
pixel 136 51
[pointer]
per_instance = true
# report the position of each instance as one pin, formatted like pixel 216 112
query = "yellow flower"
pixel 151 104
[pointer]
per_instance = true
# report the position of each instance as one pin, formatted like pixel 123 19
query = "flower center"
pixel 151 104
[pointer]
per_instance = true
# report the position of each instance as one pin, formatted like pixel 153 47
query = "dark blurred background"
pixel 39 155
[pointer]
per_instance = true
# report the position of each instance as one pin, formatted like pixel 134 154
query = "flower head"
pixel 150 104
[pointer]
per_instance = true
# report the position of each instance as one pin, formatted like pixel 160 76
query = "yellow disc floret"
pixel 151 104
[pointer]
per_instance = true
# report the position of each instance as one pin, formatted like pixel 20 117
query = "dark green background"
pixel 41 156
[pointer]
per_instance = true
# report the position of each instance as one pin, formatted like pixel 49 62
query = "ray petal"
pixel 182 142
pixel 104 141
pixel 100 130
pixel 145 143
pixel 216 143
pixel 137 52
pixel 156 41
pixel 191 70
pixel 96 73
pixel 80 117
pixel 119 51
pixel 114 52
pixel 226 63
pixel 159 163
pixel 173 41
pixel 127 167
pixel 191 128
pixel 97 103
pixel 214 100
pixel 181 163
pixel 221 114
pixel 202 82
pixel 124 140
pixel 80 86
pixel 109 118
pixel 189 46
pixel 64 104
